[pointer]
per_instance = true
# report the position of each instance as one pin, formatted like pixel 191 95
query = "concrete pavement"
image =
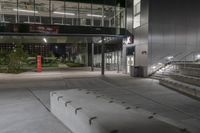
pixel 24 99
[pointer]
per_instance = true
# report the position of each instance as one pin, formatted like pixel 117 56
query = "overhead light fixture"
pixel 27 11
pixel 45 40
pixel 94 15
pixel 65 13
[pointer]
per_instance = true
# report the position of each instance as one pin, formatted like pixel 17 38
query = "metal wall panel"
pixel 129 16
pixel 141 36
pixel 174 27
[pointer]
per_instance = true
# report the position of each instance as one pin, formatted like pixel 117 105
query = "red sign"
pixel 44 29
pixel 39 63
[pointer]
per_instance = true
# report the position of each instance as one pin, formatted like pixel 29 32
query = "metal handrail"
pixel 175 61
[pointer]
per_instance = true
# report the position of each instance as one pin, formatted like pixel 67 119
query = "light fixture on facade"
pixel 45 40
pixel 100 41
pixel 94 15
pixel 27 11
pixel 64 13
pixel 153 67
pixel 170 57
pixel 198 56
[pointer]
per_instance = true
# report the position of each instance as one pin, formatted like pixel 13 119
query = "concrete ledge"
pixel 190 90
pixel 86 112
pixel 186 79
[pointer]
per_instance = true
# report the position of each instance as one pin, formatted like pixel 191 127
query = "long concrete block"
pixel 86 112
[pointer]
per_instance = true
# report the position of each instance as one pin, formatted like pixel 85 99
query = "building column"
pixel 102 57
pixel 92 57
pixel 124 59
pixel 118 61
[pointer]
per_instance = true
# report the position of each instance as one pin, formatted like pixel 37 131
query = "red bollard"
pixel 39 63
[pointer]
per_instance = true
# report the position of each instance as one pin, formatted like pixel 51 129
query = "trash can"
pixel 138 71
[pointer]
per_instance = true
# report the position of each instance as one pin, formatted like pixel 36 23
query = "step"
pixel 190 71
pixel 186 79
pixel 193 65
pixel 191 90
pixel 87 112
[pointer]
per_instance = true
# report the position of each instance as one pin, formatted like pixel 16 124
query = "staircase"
pixel 183 77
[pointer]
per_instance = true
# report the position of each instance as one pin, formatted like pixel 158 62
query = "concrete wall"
pixel 174 27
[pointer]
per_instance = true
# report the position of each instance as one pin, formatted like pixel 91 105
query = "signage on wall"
pixel 44 29
pixel 144 52
pixel 39 63
pixel 128 40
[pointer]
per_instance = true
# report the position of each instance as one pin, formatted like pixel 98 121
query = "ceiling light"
pixel 94 15
pixel 64 13
pixel 45 40
pixel 27 11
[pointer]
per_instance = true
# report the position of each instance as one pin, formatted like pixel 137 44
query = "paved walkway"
pixel 24 99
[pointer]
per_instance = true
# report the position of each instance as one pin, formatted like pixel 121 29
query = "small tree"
pixel 17 58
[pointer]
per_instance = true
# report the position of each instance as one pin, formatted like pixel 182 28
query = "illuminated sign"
pixel 128 40
pixel 44 29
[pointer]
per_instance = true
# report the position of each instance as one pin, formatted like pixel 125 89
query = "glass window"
pixel 42 11
pixel 122 17
pixel 137 21
pixel 57 11
pixel 25 10
pixel 117 17
pixel 8 11
pixel 35 19
pixel 9 18
pixel 23 19
pixel 84 14
pixel 97 15
pixel 137 10
pixel 71 13
pixel 109 13
pixel 68 21
pixel 1 18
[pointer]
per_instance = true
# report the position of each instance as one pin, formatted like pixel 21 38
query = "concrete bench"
pixel 87 112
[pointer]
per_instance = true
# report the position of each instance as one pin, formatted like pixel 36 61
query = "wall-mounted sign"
pixel 128 40
pixel 144 52
pixel 44 29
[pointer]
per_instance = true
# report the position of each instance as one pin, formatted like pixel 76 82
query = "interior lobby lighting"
pixel 94 15
pixel 65 13
pixel 45 40
pixel 22 10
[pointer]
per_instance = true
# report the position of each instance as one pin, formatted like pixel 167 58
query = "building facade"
pixel 165 31
pixel 51 25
